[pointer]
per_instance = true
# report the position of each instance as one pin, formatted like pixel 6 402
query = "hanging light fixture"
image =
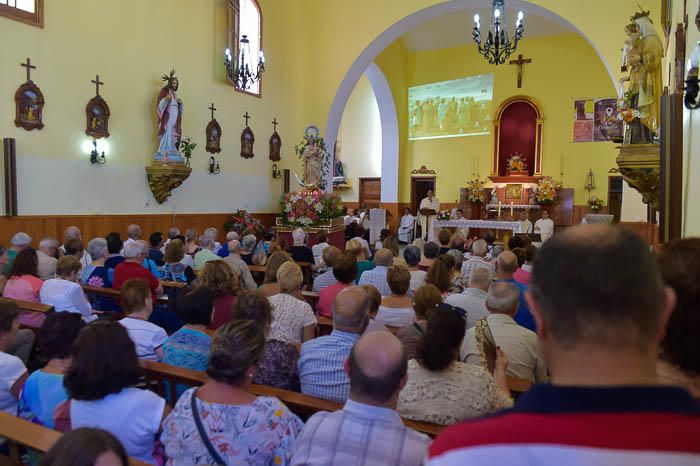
pixel 498 46
pixel 240 72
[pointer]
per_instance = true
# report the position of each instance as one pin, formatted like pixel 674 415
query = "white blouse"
pixel 289 317
pixel 460 392
pixel 66 296
pixel 396 316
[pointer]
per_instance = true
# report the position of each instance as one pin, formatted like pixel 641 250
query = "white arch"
pixel 390 133
pixel 398 29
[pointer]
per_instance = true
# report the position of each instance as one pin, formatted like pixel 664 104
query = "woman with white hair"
pixel 248 248
pixel 97 274
pixel 299 251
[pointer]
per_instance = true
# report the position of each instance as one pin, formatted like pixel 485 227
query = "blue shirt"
pixel 376 278
pixel 223 251
pixel 523 317
pixel 41 394
pixel 321 363
pixel 189 349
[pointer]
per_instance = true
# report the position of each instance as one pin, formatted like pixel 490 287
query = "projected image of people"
pixel 461 107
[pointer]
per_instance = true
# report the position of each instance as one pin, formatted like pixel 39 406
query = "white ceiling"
pixel 454 30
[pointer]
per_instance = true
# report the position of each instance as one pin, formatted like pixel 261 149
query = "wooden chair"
pixel 298 403
pixel 21 433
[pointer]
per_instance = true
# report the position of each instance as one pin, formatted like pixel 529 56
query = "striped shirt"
pixel 320 366
pixel 361 435
pixel 324 280
pixel 556 425
pixel 376 278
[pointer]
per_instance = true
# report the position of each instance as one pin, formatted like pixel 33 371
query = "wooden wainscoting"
pixel 92 226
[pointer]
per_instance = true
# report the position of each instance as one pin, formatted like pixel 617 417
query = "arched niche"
pixel 518 127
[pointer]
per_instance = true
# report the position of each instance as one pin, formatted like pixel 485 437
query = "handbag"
pixel 202 433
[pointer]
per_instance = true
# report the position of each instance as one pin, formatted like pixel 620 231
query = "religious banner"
pixel 596 120
pixel 583 120
pixel 606 124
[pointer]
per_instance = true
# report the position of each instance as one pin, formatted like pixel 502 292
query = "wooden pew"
pixel 112 293
pixel 258 271
pixel 23 433
pixel 169 284
pixel 298 403
pixel 30 306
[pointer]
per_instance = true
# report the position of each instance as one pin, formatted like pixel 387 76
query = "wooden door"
pixel 420 185
pixel 370 193
pixel 615 197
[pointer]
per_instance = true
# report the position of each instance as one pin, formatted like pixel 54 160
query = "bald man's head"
pixel 384 257
pixel 507 263
pixel 377 368
pixel 351 310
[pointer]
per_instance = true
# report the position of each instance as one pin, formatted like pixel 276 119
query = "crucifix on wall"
pixel 29 102
pixel 97 113
pixel 520 62
pixel 213 133
pixel 247 139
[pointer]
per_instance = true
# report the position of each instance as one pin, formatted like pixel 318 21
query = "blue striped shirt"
pixel 320 366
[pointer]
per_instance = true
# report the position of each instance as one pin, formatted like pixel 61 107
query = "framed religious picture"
pixel 514 192
pixel 97 113
pixel 213 137
pixel 29 106
pixel 275 147
pixel 247 141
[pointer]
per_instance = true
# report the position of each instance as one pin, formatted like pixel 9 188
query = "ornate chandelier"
pixel 498 46
pixel 239 72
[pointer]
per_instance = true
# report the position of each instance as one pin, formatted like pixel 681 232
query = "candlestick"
pixel 499 208
pixel 511 208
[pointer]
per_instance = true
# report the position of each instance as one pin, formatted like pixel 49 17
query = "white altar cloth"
pixel 463 223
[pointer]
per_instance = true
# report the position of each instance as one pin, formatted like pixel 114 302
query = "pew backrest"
pixel 300 404
pixel 20 432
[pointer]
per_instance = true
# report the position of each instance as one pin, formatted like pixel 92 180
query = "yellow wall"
pixel 342 30
pixel 564 67
pixel 131 46
pixel 361 138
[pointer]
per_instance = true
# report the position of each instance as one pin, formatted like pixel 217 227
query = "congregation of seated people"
pixel 601 332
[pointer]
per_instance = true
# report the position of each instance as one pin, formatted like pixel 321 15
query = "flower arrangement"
pixel 475 191
pixel 187 147
pixel 595 203
pixel 242 220
pixel 308 208
pixel 546 190
pixel 516 163
pixel 444 215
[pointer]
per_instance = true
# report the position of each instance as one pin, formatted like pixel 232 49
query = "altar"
pixel 513 227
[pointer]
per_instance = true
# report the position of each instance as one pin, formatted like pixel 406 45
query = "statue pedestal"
pixel 164 177
pixel 334 228
pixel 640 166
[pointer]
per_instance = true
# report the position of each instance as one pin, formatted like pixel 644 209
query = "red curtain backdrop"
pixel 518 134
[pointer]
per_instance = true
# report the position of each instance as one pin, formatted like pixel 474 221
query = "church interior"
pixel 408 118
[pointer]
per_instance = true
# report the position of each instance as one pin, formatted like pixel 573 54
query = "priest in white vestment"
pixel 426 221
pixel 525 223
pixel 544 226
pixel 408 222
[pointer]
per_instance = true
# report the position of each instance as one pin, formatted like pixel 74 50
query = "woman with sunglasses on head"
pixel 440 388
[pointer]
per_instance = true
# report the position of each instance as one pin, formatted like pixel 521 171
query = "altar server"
pixel 545 226
pixel 406 227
